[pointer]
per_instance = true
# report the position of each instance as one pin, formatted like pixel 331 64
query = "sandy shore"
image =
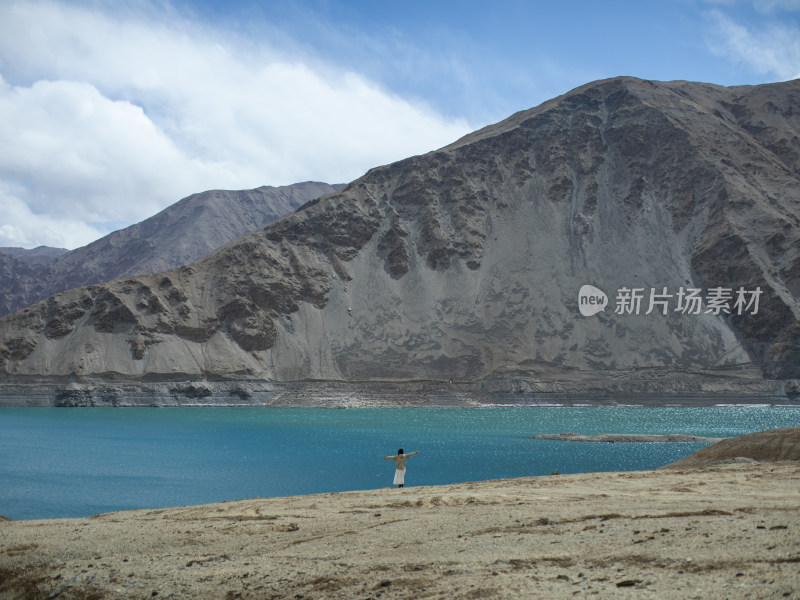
pixel 727 531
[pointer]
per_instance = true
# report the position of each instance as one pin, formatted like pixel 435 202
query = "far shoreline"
pixel 371 403
pixel 670 392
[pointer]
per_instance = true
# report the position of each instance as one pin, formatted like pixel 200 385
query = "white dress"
pixel 399 477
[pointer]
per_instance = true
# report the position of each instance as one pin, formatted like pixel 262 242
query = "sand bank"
pixel 715 532
pixel 623 437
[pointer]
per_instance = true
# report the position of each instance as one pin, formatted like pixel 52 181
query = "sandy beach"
pixel 727 531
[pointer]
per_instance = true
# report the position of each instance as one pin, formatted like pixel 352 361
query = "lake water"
pixel 64 462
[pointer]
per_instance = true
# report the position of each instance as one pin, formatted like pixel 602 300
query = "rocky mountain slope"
pixel 177 236
pixel 467 263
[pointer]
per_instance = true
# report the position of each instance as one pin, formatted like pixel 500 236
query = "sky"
pixel 112 110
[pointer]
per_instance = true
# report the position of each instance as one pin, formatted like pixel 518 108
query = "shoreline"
pixel 709 529
pixel 367 404
pixel 711 532
pixel 409 394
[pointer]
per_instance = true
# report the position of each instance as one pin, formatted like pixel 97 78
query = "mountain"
pixel 178 235
pixel 467 263
pixel 20 267
pixel 38 255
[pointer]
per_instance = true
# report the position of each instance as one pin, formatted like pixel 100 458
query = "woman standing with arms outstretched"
pixel 400 463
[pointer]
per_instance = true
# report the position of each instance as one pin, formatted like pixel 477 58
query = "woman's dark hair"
pixel 400 451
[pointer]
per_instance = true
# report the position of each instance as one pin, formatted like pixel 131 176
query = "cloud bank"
pixel 107 116
pixel 771 49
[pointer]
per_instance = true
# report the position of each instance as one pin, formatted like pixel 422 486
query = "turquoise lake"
pixel 74 462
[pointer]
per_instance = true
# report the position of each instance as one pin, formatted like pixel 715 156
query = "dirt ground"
pixel 730 531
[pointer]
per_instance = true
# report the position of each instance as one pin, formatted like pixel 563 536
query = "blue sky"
pixel 111 111
pixel 485 60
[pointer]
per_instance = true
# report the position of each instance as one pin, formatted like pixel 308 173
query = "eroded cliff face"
pixel 466 263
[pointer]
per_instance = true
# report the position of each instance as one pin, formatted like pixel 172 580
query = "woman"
pixel 400 463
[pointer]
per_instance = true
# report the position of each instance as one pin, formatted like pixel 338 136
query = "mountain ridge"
pixel 180 234
pixel 40 254
pixel 465 263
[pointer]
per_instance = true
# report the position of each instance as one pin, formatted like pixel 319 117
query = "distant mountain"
pixel 19 267
pixel 178 235
pixel 38 255
pixel 679 202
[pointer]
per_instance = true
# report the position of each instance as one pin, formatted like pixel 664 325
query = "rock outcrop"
pixel 466 263
pixel 178 235
pixel 763 446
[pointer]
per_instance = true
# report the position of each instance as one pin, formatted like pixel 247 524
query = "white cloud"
pixel 21 227
pixel 772 50
pixel 776 6
pixel 70 151
pixel 112 116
